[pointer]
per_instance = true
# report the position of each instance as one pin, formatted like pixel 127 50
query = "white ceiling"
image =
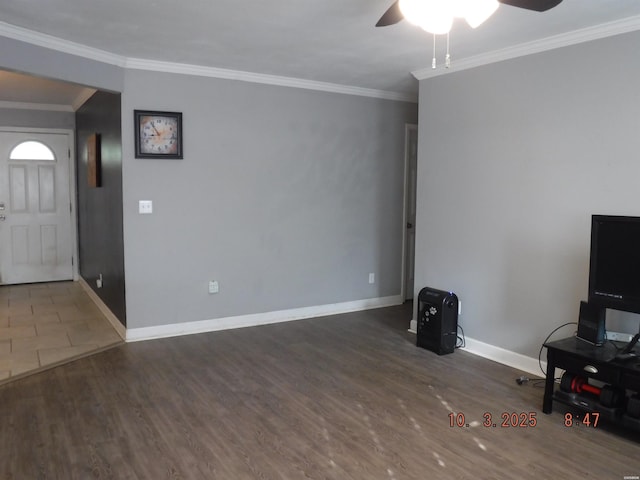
pixel 332 41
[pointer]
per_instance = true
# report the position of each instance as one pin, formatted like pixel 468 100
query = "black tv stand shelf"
pixel 598 363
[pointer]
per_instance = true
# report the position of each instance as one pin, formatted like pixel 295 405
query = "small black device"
pixel 437 320
pixel 591 323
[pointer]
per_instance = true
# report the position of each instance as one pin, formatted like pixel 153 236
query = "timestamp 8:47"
pixel 589 419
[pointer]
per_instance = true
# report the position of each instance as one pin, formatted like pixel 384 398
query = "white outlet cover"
pixel 145 206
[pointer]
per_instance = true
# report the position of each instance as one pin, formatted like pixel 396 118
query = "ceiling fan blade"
pixel 537 5
pixel 392 16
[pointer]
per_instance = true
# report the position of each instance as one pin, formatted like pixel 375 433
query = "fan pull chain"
pixel 447 58
pixel 433 60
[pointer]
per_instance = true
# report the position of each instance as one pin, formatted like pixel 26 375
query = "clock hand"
pixel 154 127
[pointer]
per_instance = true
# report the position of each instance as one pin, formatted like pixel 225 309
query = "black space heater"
pixel 437 320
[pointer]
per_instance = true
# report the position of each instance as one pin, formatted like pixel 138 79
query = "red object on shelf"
pixel 580 384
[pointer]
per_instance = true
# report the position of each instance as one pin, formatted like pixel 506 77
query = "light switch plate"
pixel 145 206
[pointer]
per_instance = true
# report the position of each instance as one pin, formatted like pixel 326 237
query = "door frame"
pixel 72 183
pixel 408 127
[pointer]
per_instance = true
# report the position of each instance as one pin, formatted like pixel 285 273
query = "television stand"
pixel 583 359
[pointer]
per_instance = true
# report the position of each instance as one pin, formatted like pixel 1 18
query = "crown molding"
pixel 48 107
pixel 223 73
pixel 557 41
pixel 65 46
pixel 550 43
pixel 60 45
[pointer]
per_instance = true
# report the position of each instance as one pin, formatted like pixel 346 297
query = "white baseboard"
pixel 500 355
pixel 506 357
pixel 413 326
pixel 252 320
pixel 113 320
pixel 497 354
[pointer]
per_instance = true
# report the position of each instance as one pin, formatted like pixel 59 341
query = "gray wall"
pixel 514 158
pixel 287 197
pixel 100 241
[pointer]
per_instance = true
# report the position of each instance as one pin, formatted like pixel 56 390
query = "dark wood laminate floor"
pixel 342 397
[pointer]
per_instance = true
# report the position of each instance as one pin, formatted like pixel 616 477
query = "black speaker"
pixel 591 323
pixel 437 320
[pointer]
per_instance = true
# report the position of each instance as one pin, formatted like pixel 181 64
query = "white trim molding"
pixel 187 69
pixel 413 326
pixel 60 45
pixel 537 46
pixel 84 95
pixel 500 355
pixel 113 320
pixel 506 357
pixel 252 320
pixel 46 107
pixel 550 43
pixel 72 48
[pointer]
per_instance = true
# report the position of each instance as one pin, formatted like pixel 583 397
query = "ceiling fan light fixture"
pixel 434 16
pixel 478 11
pixel 437 24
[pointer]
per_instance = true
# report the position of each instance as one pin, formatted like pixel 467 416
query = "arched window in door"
pixel 32 150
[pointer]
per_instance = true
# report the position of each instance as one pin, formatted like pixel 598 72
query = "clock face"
pixel 159 135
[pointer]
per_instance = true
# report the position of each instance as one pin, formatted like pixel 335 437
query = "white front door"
pixel 35 209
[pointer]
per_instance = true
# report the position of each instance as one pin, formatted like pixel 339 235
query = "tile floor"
pixel 43 325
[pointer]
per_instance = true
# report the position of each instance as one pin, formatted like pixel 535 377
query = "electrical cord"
pixel 618 349
pixel 540 383
pixel 462 343
pixel 546 340
pixel 535 383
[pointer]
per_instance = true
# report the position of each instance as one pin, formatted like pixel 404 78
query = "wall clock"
pixel 158 134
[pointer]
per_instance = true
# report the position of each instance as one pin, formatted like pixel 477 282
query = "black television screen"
pixel 614 267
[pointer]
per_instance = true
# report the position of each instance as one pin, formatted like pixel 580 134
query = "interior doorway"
pixel 409 227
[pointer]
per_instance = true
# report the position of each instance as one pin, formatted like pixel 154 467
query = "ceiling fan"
pixel 394 14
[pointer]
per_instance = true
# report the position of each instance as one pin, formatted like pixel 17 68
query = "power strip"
pixel 619 337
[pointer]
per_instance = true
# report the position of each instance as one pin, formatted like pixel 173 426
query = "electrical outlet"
pixel 99 281
pixel 214 287
pixel 145 206
pixel 372 278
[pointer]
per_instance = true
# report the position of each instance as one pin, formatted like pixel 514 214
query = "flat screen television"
pixel 614 266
